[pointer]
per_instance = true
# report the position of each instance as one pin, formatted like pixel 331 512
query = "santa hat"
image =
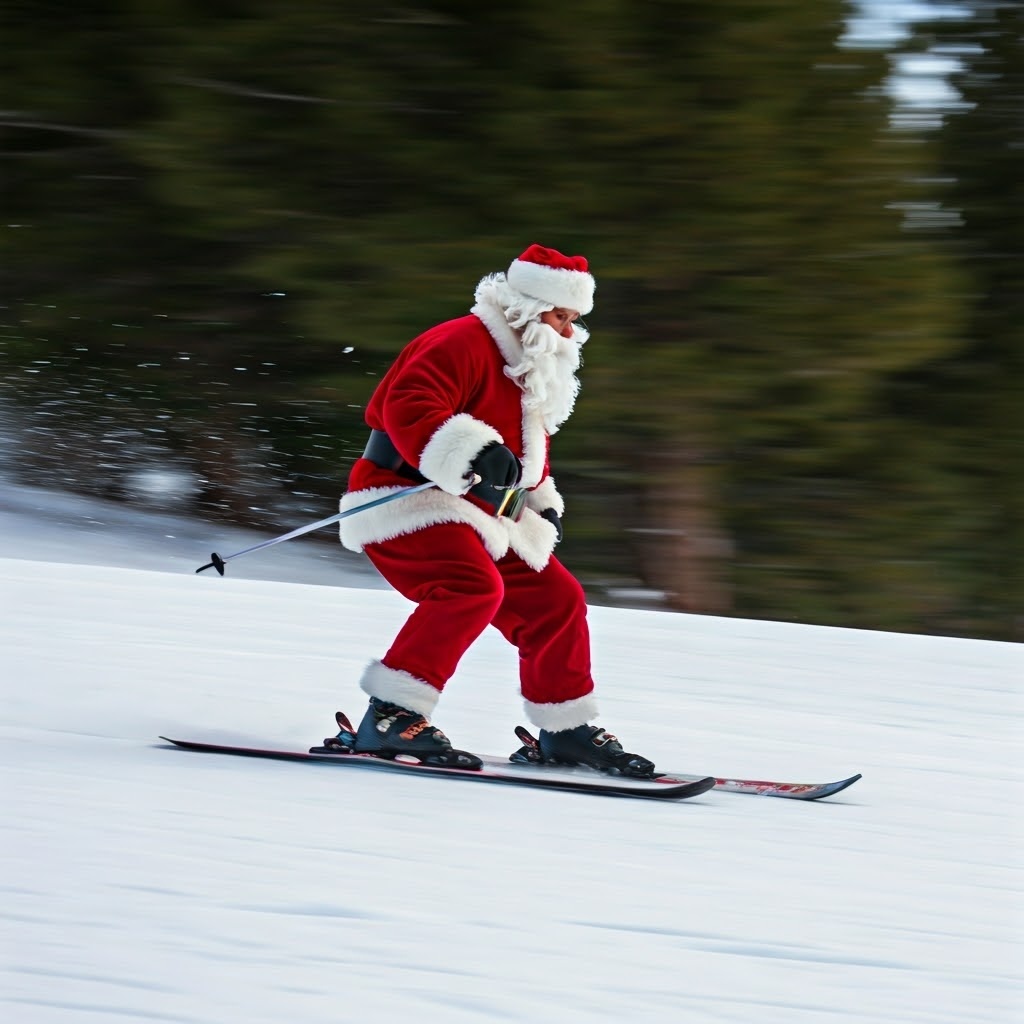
pixel 547 275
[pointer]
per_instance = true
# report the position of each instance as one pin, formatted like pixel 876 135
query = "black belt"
pixel 381 451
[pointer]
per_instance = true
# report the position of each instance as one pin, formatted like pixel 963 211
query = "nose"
pixel 567 329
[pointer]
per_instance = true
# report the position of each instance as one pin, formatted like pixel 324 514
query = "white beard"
pixel 538 358
pixel 547 371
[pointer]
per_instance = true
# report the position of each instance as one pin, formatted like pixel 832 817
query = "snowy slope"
pixel 147 884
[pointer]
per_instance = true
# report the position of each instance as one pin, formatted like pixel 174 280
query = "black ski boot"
pixel 592 746
pixel 390 731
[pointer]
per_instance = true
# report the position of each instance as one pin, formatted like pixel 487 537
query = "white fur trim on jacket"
pixel 532 538
pixel 546 496
pixel 452 447
pixel 398 687
pixel 535 448
pixel 559 717
pixel 535 438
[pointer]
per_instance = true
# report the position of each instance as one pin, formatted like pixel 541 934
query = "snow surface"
pixel 142 883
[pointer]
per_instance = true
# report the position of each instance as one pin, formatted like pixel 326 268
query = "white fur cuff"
pixel 559 717
pixel 447 455
pixel 398 687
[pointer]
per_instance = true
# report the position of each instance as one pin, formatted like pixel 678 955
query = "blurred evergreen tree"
pixel 973 400
pixel 296 191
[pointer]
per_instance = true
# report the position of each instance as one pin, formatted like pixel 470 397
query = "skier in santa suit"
pixel 470 405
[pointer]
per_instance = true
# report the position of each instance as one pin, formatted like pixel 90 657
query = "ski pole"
pixel 216 562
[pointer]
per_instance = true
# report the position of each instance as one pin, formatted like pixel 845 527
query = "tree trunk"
pixel 684 549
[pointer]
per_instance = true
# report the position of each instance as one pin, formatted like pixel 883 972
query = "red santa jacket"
pixel 444 398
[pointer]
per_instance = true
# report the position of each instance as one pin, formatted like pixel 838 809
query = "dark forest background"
pixel 803 396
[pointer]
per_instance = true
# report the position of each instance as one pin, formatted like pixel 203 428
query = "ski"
pixel 493 771
pixel 667 786
pixel 529 753
pixel 788 790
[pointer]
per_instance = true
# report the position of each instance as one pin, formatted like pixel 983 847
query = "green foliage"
pixel 972 402
pixel 273 199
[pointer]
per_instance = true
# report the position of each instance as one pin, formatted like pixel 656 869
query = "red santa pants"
pixel 459 590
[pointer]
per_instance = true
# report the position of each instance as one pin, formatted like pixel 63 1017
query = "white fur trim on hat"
pixel 398 687
pixel 563 287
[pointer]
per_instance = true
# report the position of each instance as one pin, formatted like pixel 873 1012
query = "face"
pixel 560 320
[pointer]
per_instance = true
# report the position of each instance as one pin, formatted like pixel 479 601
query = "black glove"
pixel 496 466
pixel 555 520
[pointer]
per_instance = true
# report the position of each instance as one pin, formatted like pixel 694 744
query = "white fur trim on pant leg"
pixel 447 455
pixel 559 717
pixel 398 687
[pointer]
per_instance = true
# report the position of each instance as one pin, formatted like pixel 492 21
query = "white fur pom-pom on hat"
pixel 547 275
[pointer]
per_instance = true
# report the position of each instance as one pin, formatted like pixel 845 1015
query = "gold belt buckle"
pixel 512 504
